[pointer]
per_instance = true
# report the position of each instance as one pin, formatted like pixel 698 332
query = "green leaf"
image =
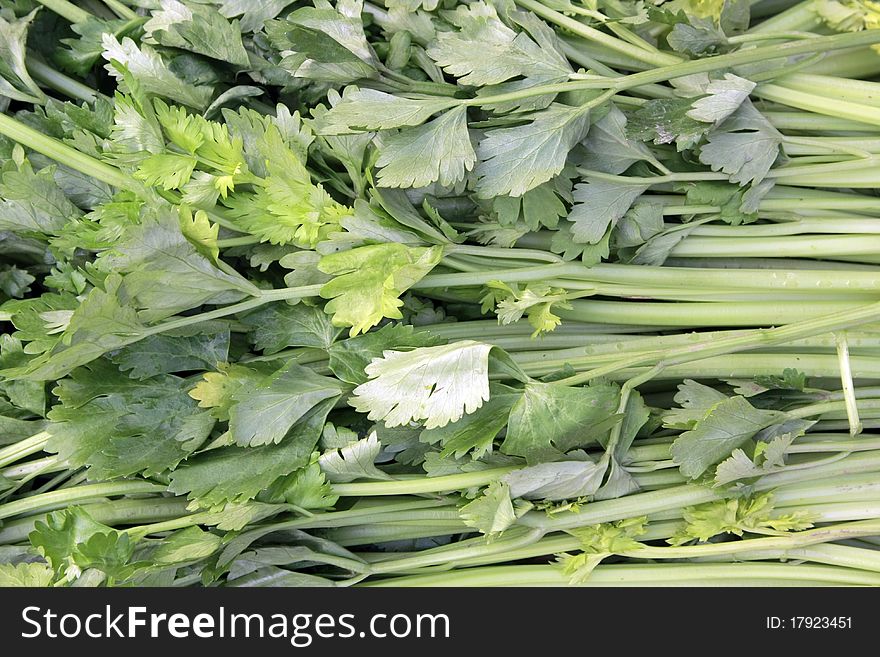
pixel 201 233
pixel 279 325
pixel 745 146
pixel 698 38
pixel 15 81
pixel 252 15
pixel 216 150
pixel 769 454
pixel 735 467
pixel 349 358
pixel 168 170
pixel 737 516
pixel 551 419
pixel 369 109
pixel 198 347
pixel 636 416
pixel 199 29
pixel 723 99
pixel 412 5
pixel 728 197
pixel 262 559
pixel 83 52
pixel 27 395
pixel 72 541
pixel 26 575
pixel 333 437
pixel 563 480
pixel 515 160
pixel 133 132
pixel 33 319
pixel 543 61
pixel 109 552
pixel 658 248
pixel 344 24
pixel 541 206
pixel 475 432
pixel 774 441
pixel 666 120
pixel 215 390
pixel 185 130
pixel 320 43
pixel 32 202
pixel 452 380
pixel 271 576
pixel 235 516
pixel 354 461
pixel 369 279
pixel 535 300
pixel 259 142
pixel 695 399
pixel 485 51
pixel 493 511
pixel 151 72
pixel 187 545
pixel 611 537
pixel 165 273
pixel 265 412
pixel 287 207
pixel 118 426
pixel 298 542
pixel 299 549
pixel 238 474
pixel 727 425
pixel 14 282
pixel 599 542
pixel 600 204
pixel 306 488
pixel 640 223
pixel 99 325
pixel 791 379
pixel 368 224
pixel 437 151
pixel 398 206
pixel 95 117
pixel 609 149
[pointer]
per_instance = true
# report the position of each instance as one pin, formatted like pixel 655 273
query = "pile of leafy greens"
pixel 338 293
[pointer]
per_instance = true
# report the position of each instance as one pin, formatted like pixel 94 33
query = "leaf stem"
pixel 53 79
pixel 779 544
pixel 421 484
pixel 760 337
pixel 677 574
pixel 64 154
pixel 67 10
pixel 449 554
pixel 265 297
pixel 812 102
pixel 801 17
pixel 596 36
pixel 244 240
pixel 846 380
pixel 791 246
pixel 23 448
pixel 69 496
pixel 769 36
pixel 120 9
pixel 118 512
